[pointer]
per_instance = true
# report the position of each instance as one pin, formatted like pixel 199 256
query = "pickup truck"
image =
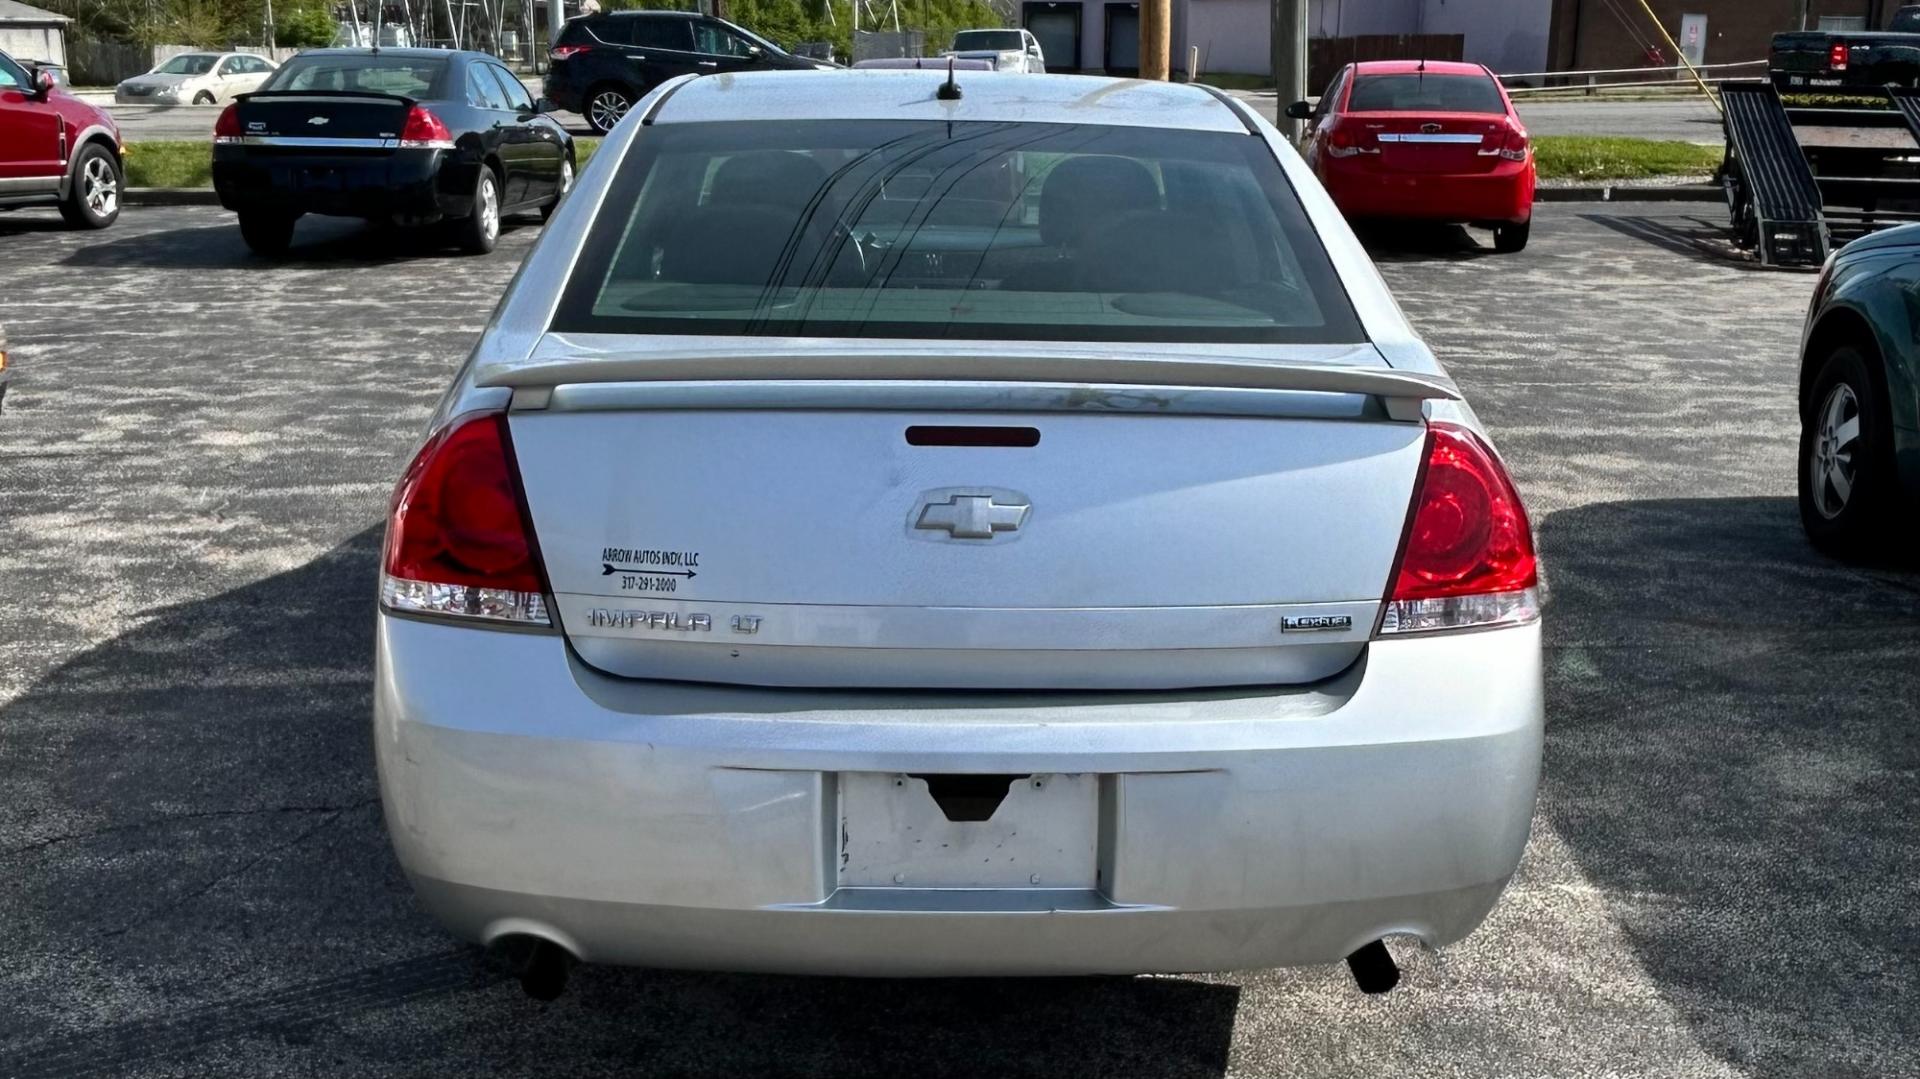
pixel 1812 60
pixel 1005 50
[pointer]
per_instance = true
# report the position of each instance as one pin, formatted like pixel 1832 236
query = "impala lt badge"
pixel 1316 623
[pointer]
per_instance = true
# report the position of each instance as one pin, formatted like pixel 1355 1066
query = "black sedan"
pixel 406 136
pixel 1860 399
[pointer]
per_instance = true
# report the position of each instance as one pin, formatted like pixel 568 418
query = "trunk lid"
pixel 965 535
pixel 1450 142
pixel 344 119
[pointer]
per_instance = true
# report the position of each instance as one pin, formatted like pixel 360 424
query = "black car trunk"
pixel 340 118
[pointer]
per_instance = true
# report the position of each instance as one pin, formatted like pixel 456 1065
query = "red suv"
pixel 56 150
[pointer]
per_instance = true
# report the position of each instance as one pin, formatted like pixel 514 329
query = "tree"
pixel 303 27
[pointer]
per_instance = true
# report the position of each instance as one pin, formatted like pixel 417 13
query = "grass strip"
pixel 1598 157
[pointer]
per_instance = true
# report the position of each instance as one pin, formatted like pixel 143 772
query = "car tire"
pixel 606 104
pixel 1849 489
pixel 93 196
pixel 204 97
pixel 267 233
pixel 1510 237
pixel 566 185
pixel 479 231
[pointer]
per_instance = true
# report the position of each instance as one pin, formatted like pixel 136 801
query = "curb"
pixel 171 196
pixel 1610 193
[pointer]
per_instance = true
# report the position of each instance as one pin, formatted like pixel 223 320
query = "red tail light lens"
pixel 1344 141
pixel 227 127
pixel 1468 558
pixel 1838 55
pixel 425 131
pixel 561 52
pixel 457 537
pixel 1516 147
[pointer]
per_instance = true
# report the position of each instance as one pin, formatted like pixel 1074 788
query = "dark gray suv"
pixel 602 64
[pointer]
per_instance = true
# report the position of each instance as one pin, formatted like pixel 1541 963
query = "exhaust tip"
pixel 541 965
pixel 1373 968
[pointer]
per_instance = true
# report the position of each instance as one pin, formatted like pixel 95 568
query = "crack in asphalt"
pixel 161 822
pixel 176 904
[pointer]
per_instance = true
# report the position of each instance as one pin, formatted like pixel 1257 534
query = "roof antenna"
pixel 949 90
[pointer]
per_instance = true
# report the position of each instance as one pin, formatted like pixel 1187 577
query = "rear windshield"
pixel 998 40
pixel 963 230
pixel 408 76
pixel 1425 93
pixel 193 63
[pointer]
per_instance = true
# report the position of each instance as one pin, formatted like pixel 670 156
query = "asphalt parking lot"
pixel 1724 872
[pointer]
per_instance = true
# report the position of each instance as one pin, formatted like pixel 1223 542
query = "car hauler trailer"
pixel 1803 180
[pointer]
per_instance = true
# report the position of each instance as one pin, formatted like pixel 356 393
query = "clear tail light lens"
pixel 458 541
pixel 1467 561
pixel 1838 55
pixel 425 131
pixel 227 127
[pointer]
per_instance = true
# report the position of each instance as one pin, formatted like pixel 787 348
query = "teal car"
pixel 1860 398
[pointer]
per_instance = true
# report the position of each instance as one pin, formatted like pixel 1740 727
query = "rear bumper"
pixel 1503 194
pixel 564 87
pixel 411 186
pixel 697 826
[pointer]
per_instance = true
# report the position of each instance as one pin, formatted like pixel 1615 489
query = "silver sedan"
pixel 196 78
pixel 893 527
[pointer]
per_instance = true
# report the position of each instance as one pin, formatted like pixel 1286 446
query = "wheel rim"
pixel 489 208
pixel 607 108
pixel 99 187
pixel 1832 464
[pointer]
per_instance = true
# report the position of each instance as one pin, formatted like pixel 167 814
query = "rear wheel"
pixel 93 199
pixel 1849 493
pixel 566 185
pixel 480 230
pixel 606 105
pixel 1510 237
pixel 266 233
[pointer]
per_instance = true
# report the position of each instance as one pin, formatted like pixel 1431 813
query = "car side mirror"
pixel 1300 110
pixel 43 83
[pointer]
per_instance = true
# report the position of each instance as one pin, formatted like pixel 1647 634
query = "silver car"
pixel 196 78
pixel 893 527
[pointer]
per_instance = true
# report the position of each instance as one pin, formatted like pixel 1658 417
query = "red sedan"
pixel 1429 140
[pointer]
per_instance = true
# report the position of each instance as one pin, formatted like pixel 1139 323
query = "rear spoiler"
pixel 309 95
pixel 992 381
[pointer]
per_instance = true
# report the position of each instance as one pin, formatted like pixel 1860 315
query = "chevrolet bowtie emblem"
pixel 972 516
pixel 317 120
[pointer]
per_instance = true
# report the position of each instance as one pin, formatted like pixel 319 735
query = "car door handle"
pixel 707 63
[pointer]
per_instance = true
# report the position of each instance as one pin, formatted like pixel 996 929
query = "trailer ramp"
pixel 1771 191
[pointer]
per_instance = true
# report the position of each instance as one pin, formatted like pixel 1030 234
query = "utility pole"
pixel 1288 48
pixel 1155 26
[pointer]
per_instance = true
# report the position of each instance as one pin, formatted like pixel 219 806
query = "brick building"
pixel 1596 34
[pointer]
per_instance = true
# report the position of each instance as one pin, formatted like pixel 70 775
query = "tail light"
pixel 1515 148
pixel 561 52
pixel 1343 142
pixel 1467 561
pixel 1838 54
pixel 425 131
pixel 227 127
pixel 458 541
